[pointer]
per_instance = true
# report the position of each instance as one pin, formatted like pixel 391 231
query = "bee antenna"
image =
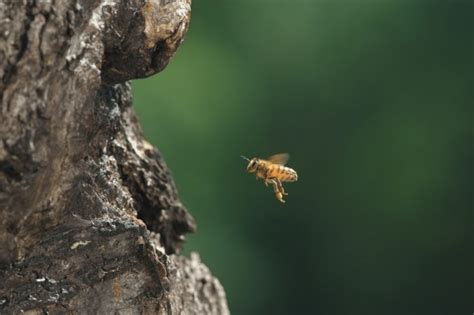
pixel 245 158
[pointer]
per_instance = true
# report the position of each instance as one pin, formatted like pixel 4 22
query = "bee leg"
pixel 279 196
pixel 268 181
pixel 280 187
pixel 276 188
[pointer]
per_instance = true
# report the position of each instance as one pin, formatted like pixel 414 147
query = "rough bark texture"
pixel 90 220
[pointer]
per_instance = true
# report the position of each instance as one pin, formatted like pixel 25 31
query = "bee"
pixel 273 171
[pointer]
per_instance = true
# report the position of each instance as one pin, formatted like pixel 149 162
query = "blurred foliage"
pixel 373 100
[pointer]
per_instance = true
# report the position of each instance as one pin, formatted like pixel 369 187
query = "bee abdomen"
pixel 292 176
pixel 287 174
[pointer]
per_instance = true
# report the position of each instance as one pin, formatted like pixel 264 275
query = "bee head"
pixel 252 167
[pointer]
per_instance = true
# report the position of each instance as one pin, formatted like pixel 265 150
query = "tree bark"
pixel 90 220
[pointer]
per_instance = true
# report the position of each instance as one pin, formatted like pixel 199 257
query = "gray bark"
pixel 90 220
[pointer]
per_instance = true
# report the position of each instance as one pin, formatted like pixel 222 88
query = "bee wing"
pixel 279 159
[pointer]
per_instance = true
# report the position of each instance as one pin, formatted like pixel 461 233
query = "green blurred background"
pixel 373 100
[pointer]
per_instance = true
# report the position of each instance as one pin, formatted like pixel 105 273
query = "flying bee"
pixel 273 171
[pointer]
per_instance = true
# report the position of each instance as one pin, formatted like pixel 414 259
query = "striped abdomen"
pixel 283 173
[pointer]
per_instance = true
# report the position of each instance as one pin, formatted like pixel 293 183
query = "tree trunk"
pixel 90 219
